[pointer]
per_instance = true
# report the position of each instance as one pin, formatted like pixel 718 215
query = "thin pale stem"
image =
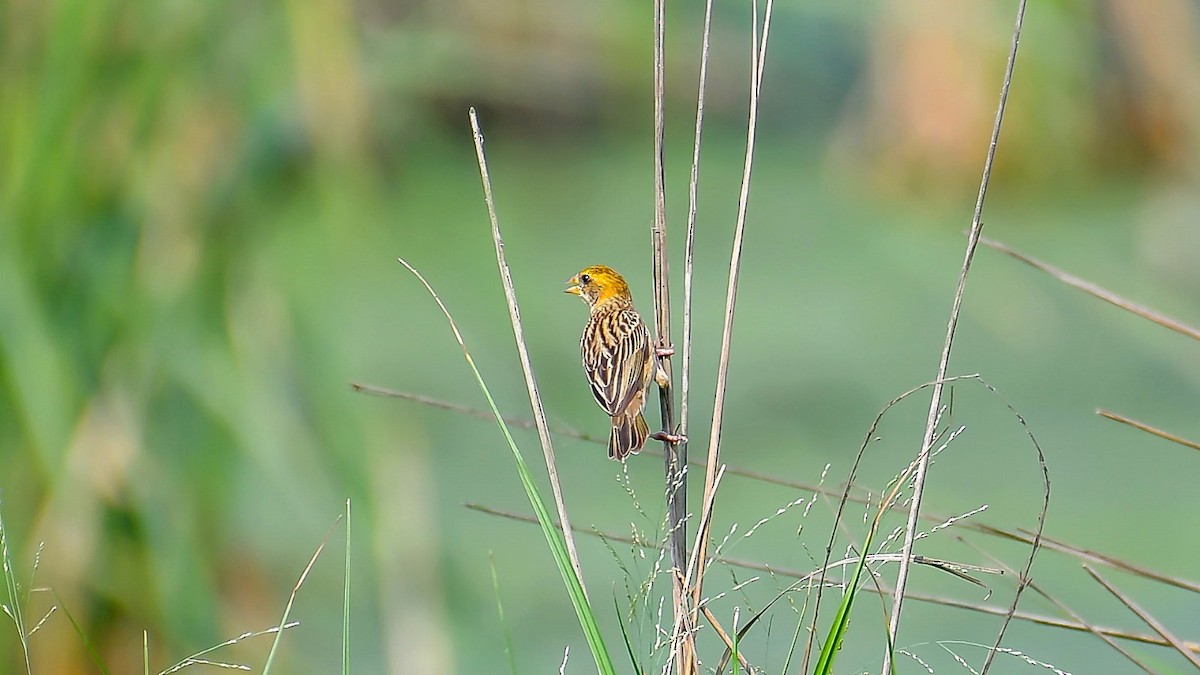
pixel 535 399
pixel 674 455
pixel 1166 435
pixel 935 403
pixel 1095 291
pixel 757 56
pixel 1062 607
pixel 690 244
pixel 1145 616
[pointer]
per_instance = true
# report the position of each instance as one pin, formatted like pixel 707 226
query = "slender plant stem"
pixel 1095 291
pixel 1062 607
pixel 1145 616
pixel 535 400
pixel 757 57
pixel 684 564
pixel 674 455
pixel 935 403
pixel 1166 435
pixel 346 599
pixel 287 610
pixel 690 245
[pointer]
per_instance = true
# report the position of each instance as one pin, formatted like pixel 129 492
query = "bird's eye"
pixel 585 278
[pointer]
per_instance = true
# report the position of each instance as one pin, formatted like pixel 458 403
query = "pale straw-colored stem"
pixel 935 403
pixel 535 399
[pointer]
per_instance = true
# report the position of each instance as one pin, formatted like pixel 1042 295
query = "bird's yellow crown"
pixel 598 284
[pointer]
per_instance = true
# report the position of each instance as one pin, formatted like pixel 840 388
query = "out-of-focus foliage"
pixel 200 206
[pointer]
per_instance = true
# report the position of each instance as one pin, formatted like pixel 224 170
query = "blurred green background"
pixel 201 203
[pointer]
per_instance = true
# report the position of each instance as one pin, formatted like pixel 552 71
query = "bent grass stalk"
pixel 554 539
pixel 287 610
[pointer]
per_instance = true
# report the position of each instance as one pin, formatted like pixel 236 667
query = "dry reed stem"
pixel 1062 607
pixel 1145 617
pixel 712 620
pixel 1030 617
pixel 682 581
pixel 690 243
pixel 943 363
pixel 674 456
pixel 1166 435
pixel 689 617
pixel 519 422
pixel 674 460
pixel 514 313
pixel 1095 291
pixel 757 58
pixel 1110 561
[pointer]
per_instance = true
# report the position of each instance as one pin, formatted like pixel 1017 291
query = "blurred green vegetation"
pixel 201 203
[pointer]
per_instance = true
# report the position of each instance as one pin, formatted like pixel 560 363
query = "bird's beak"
pixel 574 289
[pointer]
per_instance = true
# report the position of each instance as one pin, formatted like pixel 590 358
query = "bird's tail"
pixel 629 434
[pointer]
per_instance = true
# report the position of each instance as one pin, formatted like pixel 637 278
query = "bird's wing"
pixel 616 347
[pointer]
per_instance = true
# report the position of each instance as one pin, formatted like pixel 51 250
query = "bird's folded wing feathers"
pixel 615 359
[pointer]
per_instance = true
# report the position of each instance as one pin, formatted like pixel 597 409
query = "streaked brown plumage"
pixel 618 358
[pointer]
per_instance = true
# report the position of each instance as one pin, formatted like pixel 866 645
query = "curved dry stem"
pixel 1036 543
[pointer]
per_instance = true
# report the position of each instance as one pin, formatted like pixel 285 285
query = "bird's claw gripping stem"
pixel 673 439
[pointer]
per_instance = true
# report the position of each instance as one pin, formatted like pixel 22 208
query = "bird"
pixel 618 358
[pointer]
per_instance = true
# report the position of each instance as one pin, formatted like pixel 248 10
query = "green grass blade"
pixel 737 664
pixel 841 620
pixel 346 601
pixel 625 636
pixel 558 547
pixel 287 610
pixel 87 644
pixel 508 643
pixel 787 663
pixel 554 538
